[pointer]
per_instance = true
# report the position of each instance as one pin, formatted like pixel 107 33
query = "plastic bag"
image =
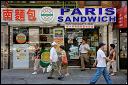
pixel 49 68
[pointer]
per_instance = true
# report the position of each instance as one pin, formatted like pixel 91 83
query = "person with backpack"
pixel 64 61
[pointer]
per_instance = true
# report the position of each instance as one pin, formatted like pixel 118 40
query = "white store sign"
pixel 47 15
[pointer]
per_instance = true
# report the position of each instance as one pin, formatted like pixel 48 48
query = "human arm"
pixel 114 55
pixel 51 54
pixel 104 56
pixel 94 64
pixel 80 48
pixel 87 47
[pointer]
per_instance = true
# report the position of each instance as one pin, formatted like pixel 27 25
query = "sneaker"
pixel 82 69
pixel 50 78
pixel 60 78
pixel 113 74
pixel 34 73
pixel 67 74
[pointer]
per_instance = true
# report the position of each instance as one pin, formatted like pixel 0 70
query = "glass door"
pixel 123 49
pixel 73 38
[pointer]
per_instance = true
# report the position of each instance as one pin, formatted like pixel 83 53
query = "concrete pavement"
pixel 11 76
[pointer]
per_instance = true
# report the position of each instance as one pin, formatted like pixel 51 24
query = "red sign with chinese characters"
pixel 18 14
pixel 122 17
pixel 125 16
pixel 7 14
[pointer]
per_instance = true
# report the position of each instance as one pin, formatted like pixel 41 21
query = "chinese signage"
pixel 63 15
pixel 122 17
pixel 19 14
pixel 79 26
pixel 20 56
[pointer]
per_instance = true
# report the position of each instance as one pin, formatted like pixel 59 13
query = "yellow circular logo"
pixel 21 38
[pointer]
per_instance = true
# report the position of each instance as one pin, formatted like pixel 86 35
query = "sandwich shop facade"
pixel 26 27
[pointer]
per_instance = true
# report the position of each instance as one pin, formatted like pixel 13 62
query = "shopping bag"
pixel 49 68
pixel 64 60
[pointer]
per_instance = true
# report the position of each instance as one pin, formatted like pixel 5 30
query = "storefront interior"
pixel 73 39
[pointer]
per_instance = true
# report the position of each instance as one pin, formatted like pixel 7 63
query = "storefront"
pixel 36 26
pixel 123 48
pixel 121 35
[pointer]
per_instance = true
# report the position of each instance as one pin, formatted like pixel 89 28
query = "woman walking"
pixel 36 58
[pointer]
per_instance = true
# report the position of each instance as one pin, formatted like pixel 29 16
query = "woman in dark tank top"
pixel 111 55
pixel 112 63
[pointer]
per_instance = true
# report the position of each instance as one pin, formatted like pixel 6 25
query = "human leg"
pixel 114 68
pixel 82 62
pixel 36 66
pixel 97 75
pixel 107 76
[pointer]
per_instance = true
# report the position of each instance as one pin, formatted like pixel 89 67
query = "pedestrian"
pixel 84 48
pixel 100 62
pixel 53 61
pixel 64 63
pixel 36 58
pixel 112 56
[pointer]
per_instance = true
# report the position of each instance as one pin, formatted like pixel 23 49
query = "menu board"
pixel 20 56
pixel 58 36
pixel 34 35
pixel 92 52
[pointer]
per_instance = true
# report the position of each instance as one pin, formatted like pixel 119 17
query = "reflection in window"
pixel 92 3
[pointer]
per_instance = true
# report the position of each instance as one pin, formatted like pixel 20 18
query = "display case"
pixel 46 35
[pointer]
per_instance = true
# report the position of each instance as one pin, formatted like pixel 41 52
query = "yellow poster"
pixel 59 37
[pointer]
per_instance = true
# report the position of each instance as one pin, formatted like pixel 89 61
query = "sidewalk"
pixel 11 76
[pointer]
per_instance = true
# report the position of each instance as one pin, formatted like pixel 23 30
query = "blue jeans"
pixel 99 71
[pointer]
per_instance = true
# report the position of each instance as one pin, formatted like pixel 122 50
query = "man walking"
pixel 101 66
pixel 54 60
pixel 84 48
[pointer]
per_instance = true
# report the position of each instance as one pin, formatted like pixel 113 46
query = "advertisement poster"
pixel 33 35
pixel 59 36
pixel 20 56
pixel 20 36
pixel 92 51
pixel 74 54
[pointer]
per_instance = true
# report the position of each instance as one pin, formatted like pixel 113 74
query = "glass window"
pixel 92 3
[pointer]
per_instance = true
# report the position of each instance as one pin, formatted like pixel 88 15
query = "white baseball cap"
pixel 54 43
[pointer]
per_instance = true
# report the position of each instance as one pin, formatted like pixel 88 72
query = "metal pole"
pixel 107 39
pixel 3 48
pixel 9 47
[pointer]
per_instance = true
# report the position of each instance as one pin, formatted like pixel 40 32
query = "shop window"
pixel 46 31
pixel 92 3
pixel 46 35
pixel 20 36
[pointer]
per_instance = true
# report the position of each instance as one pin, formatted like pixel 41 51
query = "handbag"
pixel 64 60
